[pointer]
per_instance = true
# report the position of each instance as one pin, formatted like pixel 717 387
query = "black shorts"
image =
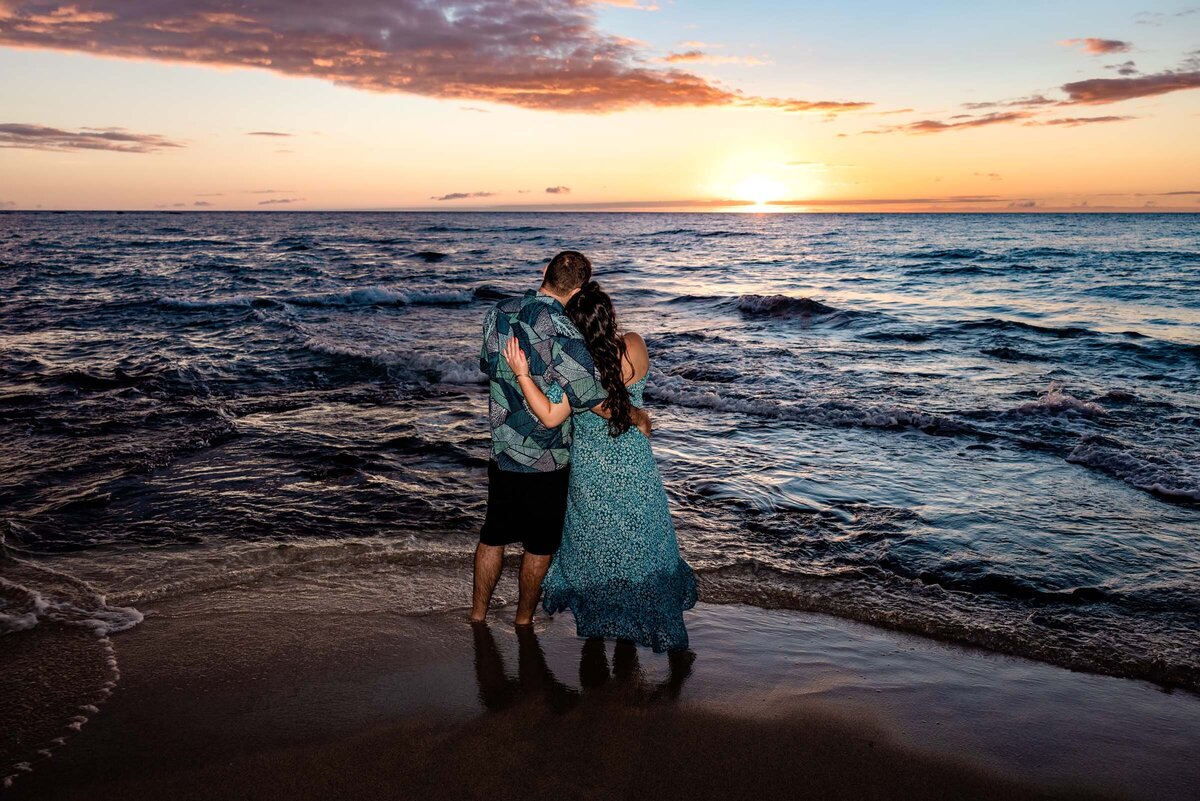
pixel 525 507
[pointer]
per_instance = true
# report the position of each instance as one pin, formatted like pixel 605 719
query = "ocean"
pixel 979 428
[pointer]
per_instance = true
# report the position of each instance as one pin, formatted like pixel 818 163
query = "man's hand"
pixel 641 419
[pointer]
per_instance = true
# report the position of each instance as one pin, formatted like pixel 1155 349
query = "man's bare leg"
pixel 533 570
pixel 489 561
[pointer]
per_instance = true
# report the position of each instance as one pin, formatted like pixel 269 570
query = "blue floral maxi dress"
pixel 619 568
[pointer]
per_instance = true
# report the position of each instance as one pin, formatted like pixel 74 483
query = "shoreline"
pixel 286 703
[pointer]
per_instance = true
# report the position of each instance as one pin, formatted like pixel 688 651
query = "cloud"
pixel 1159 17
pixel 547 55
pixel 700 57
pixel 1124 68
pixel 472 108
pixel 636 5
pixel 1023 204
pixel 201 203
pixel 994 176
pixel 210 194
pixel 117 140
pixel 1032 101
pixel 1182 192
pixel 279 200
pixel 1072 122
pixel 1097 91
pixel 267 133
pixel 1098 47
pixel 4 204
pixel 464 195
pixel 267 191
pixel 938 126
pixel 557 190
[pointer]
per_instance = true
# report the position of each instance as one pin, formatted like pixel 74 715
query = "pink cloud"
pixel 1098 46
pixel 538 54
pixel 117 140
pixel 557 190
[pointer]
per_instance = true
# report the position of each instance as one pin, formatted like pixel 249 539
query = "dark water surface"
pixel 981 428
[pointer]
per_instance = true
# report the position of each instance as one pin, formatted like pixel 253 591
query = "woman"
pixel 619 568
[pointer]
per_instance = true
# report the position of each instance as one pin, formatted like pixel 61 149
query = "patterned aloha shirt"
pixel 559 363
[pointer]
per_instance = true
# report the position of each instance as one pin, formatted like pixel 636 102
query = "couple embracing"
pixel 571 474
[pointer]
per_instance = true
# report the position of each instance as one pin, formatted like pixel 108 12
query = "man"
pixel 530 464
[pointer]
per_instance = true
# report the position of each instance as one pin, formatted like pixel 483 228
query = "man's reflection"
pixel 625 677
pixel 534 678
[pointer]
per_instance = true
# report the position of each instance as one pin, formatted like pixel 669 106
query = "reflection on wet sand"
pixel 624 678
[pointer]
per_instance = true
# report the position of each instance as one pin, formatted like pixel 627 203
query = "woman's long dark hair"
pixel 592 312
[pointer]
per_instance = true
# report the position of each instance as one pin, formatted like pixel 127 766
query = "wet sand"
pixel 266 705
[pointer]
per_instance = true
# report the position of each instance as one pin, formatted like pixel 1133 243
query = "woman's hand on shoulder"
pixel 516 357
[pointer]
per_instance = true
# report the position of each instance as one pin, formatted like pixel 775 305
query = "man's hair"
pixel 567 272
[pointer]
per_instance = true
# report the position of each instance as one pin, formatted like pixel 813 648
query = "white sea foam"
pixel 171 302
pixel 1168 476
pixel 360 296
pixel 1056 401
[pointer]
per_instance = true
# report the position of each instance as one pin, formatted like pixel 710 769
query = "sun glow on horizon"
pixel 759 190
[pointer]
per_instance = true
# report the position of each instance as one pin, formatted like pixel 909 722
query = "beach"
pixel 336 703
pixel 935 473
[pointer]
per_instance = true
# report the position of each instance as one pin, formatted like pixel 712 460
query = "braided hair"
pixel 592 312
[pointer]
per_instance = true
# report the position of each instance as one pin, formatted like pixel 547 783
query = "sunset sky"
pixel 626 104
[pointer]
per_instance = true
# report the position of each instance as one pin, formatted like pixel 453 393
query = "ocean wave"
pixel 1057 401
pixel 998 324
pixel 32 593
pixel 440 370
pixel 944 253
pixel 680 391
pixel 1167 476
pixel 1005 353
pixel 1037 629
pixel 430 256
pixel 364 296
pixel 383 296
pixel 784 306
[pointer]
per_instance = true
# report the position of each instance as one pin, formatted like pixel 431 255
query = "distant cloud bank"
pixel 462 195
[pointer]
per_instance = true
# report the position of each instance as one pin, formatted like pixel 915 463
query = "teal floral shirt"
pixel 559 363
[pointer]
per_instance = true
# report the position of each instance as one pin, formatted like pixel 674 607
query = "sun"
pixel 759 190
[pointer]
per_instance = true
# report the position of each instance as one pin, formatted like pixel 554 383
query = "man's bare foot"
pixel 523 622
pixel 477 619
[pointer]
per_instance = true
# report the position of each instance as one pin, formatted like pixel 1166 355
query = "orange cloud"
pixel 540 55
pixel 1074 121
pixel 938 126
pixel 700 57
